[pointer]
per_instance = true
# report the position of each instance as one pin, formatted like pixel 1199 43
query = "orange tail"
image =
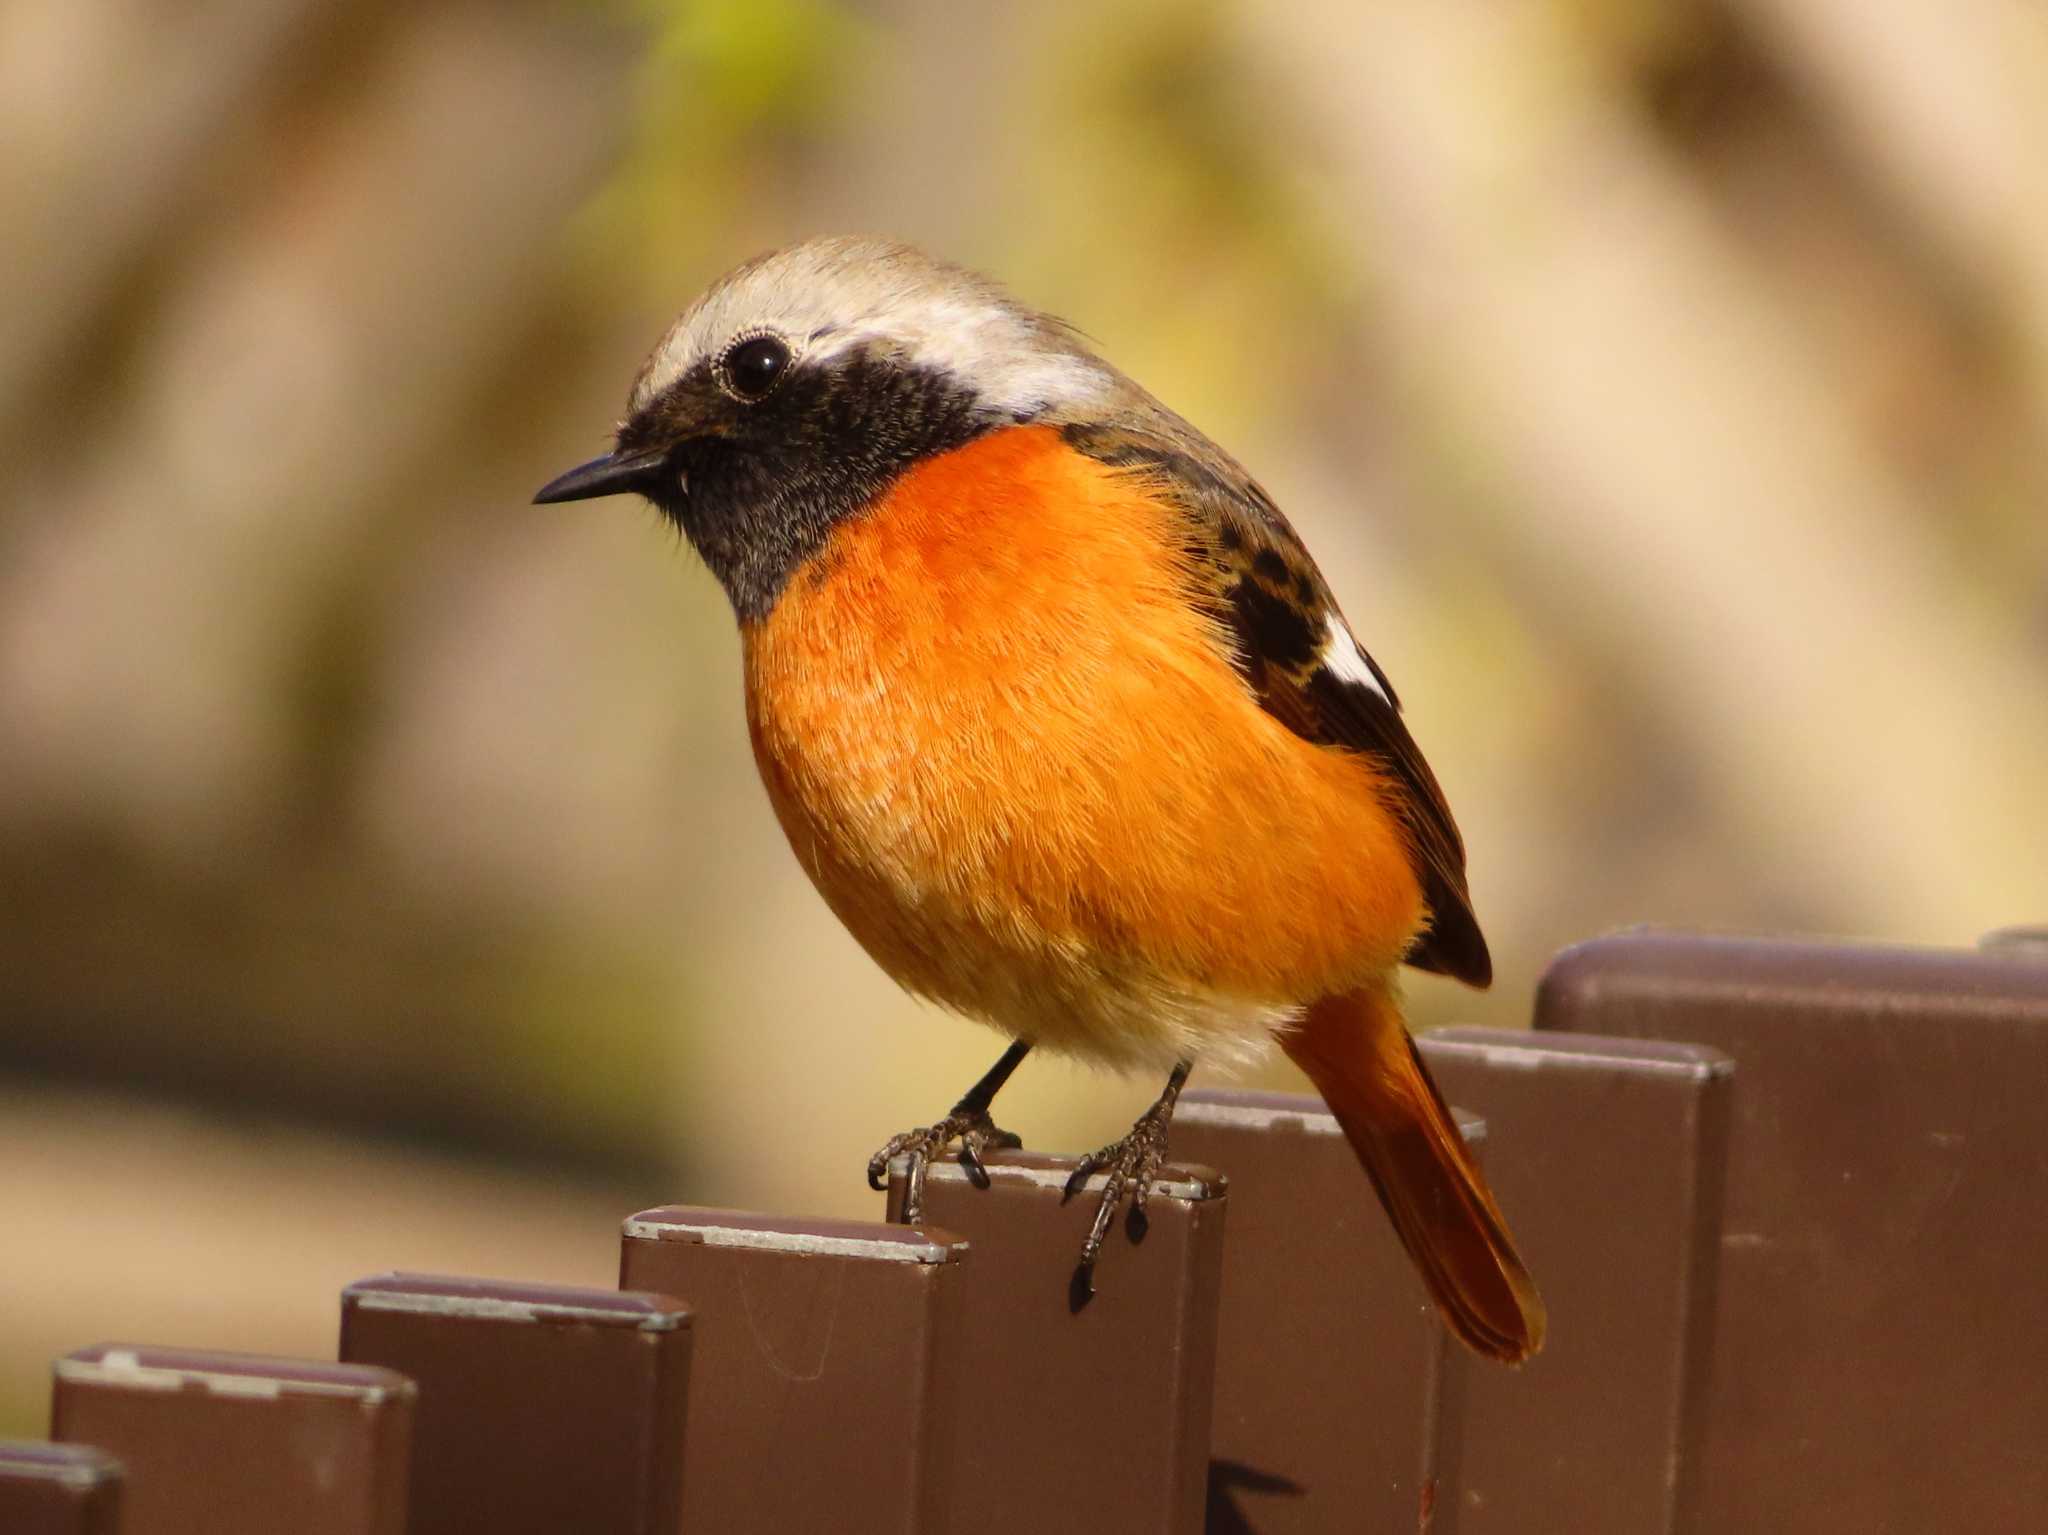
pixel 1356 1050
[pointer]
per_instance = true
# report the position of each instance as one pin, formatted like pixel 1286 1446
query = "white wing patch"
pixel 1346 662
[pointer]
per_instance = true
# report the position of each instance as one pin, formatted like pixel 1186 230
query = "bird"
pixel 1064 723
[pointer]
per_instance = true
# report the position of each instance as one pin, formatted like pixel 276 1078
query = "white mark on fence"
pixel 1511 1057
pixel 496 1308
pixel 881 1249
pixel 1056 1178
pixel 124 1367
pixel 1249 1116
pixel 782 1348
pixel 259 1387
pixel 81 1473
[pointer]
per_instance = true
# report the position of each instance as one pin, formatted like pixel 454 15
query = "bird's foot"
pixel 971 1127
pixel 1131 1163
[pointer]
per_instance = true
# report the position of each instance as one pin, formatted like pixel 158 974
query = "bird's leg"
pixel 969 1123
pixel 1131 1164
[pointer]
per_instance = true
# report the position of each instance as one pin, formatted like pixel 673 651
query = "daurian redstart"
pixel 1063 721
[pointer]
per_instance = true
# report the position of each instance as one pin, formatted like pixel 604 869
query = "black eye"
pixel 755 364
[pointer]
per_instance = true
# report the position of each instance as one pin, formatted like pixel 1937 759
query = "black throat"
pixel 760 491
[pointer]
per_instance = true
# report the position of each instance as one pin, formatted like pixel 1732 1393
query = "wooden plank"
pixel 542 1408
pixel 1089 1420
pixel 59 1489
pixel 1330 1358
pixel 821 1385
pixel 1609 1161
pixel 1881 1338
pixel 242 1444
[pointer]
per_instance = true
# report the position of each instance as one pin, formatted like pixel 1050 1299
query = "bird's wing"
pixel 1297 656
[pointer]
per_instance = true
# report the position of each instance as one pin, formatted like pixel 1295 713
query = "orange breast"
pixel 1020 767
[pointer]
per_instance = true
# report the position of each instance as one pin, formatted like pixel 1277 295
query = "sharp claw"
pixel 1081 1288
pixel 1130 1166
pixel 972 1129
pixel 1078 1178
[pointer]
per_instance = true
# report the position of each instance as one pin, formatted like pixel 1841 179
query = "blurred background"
pixel 1661 383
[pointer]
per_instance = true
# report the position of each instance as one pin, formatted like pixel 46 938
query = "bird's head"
pixel 794 390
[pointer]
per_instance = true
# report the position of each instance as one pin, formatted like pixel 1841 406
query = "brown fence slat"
pixel 1881 1339
pixel 820 1394
pixel 242 1444
pixel 58 1489
pixel 542 1408
pixel 1609 1161
pixel 1090 1421
pixel 1330 1359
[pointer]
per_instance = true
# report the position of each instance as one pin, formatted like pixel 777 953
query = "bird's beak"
pixel 614 474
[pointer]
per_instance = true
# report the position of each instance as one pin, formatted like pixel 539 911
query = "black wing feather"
pixel 1351 714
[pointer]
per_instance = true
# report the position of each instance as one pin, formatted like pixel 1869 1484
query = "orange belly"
pixel 1019 766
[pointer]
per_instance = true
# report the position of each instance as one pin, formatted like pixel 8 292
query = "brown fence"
pixel 1788 1201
